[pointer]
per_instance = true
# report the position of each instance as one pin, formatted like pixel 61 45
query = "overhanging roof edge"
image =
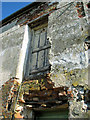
pixel 17 13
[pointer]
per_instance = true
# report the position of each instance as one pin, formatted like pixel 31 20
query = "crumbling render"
pixel 9 95
pixel 36 94
pixel 41 92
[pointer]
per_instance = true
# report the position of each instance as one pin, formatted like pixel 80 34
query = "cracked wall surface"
pixel 67 53
pixel 67 30
pixel 69 60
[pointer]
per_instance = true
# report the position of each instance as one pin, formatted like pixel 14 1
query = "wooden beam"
pixel 41 48
pixel 40 70
pixel 58 107
pixel 53 101
pixel 35 77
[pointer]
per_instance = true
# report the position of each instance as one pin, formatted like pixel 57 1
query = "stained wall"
pixel 11 39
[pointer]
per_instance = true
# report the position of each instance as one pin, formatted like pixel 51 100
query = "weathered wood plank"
pixel 40 70
pixel 34 57
pixel 42 37
pixel 41 48
pixel 41 59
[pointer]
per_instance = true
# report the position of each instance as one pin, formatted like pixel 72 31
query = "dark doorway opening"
pixel 52 114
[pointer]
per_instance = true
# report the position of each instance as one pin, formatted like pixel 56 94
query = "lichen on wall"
pixel 67 30
pixel 67 54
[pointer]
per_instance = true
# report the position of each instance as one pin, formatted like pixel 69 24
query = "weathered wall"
pixel 68 58
pixel 9 54
pixel 66 32
pixel 15 44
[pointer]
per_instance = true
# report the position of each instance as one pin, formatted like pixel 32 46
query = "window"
pixel 39 49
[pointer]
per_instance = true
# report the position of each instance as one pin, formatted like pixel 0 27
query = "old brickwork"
pixel 65 83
